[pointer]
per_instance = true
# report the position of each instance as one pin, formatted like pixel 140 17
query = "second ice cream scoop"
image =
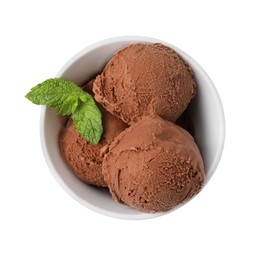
pixel 145 78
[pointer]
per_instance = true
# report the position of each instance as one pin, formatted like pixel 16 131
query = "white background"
pixel 228 220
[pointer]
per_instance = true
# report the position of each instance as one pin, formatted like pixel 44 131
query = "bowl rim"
pixel 77 56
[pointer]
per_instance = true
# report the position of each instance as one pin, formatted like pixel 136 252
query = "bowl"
pixel 205 110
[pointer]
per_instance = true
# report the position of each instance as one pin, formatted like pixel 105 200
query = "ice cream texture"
pixel 84 158
pixel 145 156
pixel 142 79
pixel 153 166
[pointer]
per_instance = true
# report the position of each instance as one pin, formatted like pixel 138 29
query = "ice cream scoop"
pixel 84 158
pixel 153 166
pixel 145 78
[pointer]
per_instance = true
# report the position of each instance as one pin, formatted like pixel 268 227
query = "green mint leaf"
pixel 88 120
pixel 58 93
pixel 70 99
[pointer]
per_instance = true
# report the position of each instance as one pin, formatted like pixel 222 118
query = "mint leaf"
pixel 88 120
pixel 58 93
pixel 70 99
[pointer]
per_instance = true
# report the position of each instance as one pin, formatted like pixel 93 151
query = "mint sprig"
pixel 58 93
pixel 88 120
pixel 70 99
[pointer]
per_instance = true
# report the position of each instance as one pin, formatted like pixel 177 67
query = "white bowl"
pixel 205 110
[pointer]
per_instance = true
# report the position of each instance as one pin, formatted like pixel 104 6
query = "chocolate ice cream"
pixel 145 78
pixel 153 166
pixel 84 158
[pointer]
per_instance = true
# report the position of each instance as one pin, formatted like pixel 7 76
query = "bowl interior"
pixel 205 111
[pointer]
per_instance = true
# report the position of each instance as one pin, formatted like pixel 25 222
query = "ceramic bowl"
pixel 205 110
